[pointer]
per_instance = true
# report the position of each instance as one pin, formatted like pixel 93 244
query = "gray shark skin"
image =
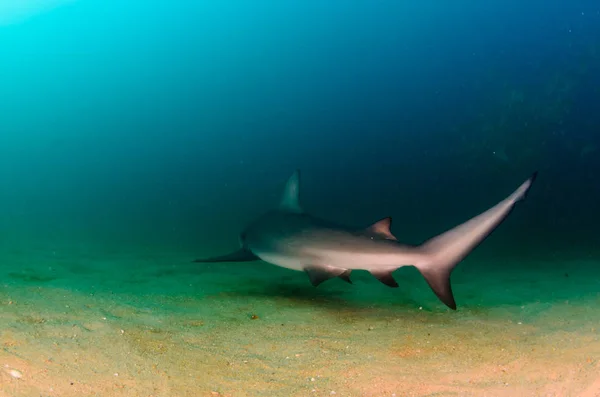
pixel 289 237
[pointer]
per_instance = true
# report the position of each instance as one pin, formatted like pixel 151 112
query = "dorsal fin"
pixel 289 200
pixel 382 228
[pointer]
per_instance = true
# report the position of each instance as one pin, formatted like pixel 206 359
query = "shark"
pixel 290 237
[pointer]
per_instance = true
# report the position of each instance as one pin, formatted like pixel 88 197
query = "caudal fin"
pixel 443 252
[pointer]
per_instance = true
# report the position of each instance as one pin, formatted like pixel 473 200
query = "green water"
pixel 233 328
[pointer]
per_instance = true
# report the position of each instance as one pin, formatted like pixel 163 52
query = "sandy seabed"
pixel 155 325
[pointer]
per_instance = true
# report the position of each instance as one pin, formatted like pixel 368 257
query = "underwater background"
pixel 136 136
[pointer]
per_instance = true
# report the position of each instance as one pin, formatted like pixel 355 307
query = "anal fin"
pixel 346 276
pixel 319 273
pixel 385 276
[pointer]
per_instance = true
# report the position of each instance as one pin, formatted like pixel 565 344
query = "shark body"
pixel 289 237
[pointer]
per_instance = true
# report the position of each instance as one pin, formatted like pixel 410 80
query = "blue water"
pixel 146 127
pixel 172 115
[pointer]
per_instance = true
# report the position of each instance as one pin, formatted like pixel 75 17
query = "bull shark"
pixel 289 237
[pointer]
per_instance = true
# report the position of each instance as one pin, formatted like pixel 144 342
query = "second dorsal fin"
pixel 382 228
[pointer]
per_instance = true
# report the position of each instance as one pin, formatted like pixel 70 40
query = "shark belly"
pixel 344 251
pixel 281 260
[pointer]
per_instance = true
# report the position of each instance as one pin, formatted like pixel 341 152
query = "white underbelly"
pixel 352 261
pixel 288 262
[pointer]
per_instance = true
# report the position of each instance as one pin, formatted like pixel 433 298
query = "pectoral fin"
pixel 241 255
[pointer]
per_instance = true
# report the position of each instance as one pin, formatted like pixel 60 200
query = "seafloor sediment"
pixel 156 325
